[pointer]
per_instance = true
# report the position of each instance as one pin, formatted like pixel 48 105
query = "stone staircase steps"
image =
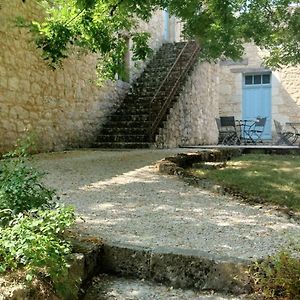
pixel 191 272
pixel 125 125
pixel 131 121
pixel 126 138
pixel 124 130
pixel 122 145
pixel 128 119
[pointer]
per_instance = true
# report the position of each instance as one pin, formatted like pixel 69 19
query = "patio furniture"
pixel 222 131
pixel 228 134
pixel 243 130
pixel 287 134
pixel 256 130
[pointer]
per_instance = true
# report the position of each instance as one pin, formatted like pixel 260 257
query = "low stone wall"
pixel 192 119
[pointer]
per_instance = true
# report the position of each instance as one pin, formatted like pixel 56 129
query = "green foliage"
pixel 221 27
pixel 20 186
pixel 101 27
pixel 140 47
pixel 278 277
pixel 32 240
pixel 31 224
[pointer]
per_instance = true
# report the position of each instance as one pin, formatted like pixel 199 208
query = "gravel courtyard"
pixel 123 199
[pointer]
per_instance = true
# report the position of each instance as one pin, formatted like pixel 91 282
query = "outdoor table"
pixel 243 128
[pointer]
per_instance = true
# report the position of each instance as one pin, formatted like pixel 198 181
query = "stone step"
pixel 136 99
pixel 166 58
pixel 114 145
pixel 107 287
pixel 177 267
pixel 127 137
pixel 127 124
pixel 123 130
pixel 157 101
pixel 136 111
pixel 129 118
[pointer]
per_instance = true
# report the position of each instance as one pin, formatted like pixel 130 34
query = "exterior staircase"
pixel 137 120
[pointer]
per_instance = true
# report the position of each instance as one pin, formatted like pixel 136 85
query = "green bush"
pixel 278 277
pixel 33 241
pixel 21 188
pixel 31 224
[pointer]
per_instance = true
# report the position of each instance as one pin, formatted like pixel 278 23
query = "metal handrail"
pixel 169 73
pixel 167 102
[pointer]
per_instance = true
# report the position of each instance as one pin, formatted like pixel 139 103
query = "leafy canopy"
pixel 220 26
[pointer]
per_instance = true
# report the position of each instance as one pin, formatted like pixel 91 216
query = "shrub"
pixel 33 241
pixel 21 188
pixel 31 224
pixel 278 277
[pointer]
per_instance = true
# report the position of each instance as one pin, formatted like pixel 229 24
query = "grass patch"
pixel 261 178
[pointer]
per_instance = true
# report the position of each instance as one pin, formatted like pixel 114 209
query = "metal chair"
pixel 227 131
pixel 222 131
pixel 285 136
pixel 256 130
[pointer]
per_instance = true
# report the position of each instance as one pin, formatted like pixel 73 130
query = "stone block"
pixel 182 268
pixel 126 260
pixel 13 83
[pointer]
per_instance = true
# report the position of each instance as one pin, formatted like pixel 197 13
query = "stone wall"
pixel 285 87
pixel 288 94
pixel 62 108
pixel 192 119
pixel 156 28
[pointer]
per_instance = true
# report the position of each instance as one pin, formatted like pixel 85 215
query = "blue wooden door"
pixel 257 100
pixel 166 25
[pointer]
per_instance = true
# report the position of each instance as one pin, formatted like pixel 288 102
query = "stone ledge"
pixel 175 165
pixel 179 268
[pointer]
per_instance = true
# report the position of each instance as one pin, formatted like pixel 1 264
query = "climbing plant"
pixel 221 27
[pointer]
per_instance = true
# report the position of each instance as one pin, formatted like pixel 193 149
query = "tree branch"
pixel 75 16
pixel 115 7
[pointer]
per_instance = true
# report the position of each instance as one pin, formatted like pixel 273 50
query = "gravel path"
pixel 123 199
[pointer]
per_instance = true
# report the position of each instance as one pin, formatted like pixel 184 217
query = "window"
pixel 266 79
pixel 257 79
pixel 248 79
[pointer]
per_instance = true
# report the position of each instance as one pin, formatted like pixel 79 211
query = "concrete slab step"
pixel 105 287
pixel 179 268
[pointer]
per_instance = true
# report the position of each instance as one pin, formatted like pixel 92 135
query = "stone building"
pixel 65 108
pixel 247 89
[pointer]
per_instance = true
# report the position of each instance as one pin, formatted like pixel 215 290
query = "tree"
pixel 220 26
